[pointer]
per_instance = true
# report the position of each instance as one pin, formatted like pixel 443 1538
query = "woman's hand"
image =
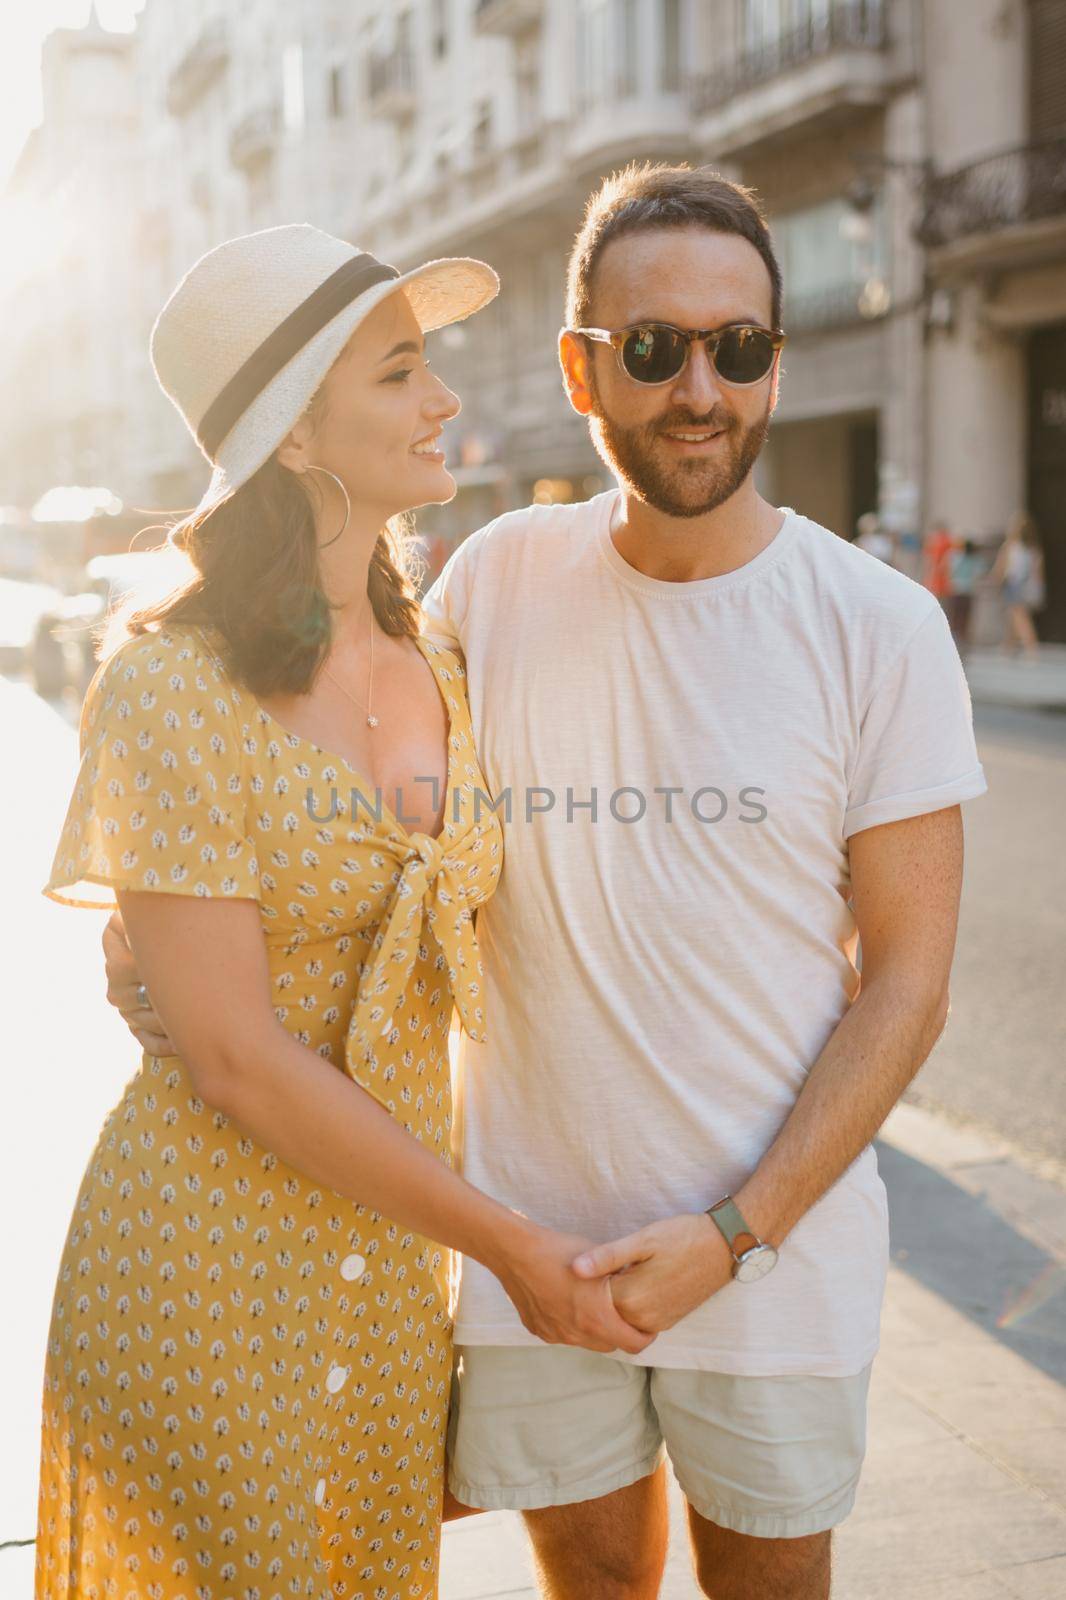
pixel 123 982
pixel 660 1274
pixel 552 1300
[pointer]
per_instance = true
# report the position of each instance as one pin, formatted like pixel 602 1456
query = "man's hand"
pixel 123 981
pixel 659 1275
pixel 553 1303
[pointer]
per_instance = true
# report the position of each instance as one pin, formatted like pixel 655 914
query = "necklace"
pixel 371 720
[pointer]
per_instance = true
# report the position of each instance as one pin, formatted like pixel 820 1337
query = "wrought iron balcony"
pixel 508 16
pixel 846 25
pixel 204 61
pixel 1027 184
pixel 391 83
pixel 840 305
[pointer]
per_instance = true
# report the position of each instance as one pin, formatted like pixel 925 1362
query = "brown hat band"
pixel 288 338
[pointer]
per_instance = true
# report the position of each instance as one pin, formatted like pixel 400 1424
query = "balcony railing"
pixel 837 306
pixel 1027 184
pixel 391 83
pixel 508 16
pixel 198 68
pixel 846 25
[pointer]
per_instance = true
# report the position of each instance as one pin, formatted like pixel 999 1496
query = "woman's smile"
pixel 427 448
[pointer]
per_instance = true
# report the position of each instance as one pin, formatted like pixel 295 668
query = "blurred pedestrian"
pixel 936 561
pixel 874 538
pixel 1018 571
pixel 966 565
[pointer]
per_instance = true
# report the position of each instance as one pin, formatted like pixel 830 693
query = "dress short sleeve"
pixel 160 797
pixel 916 743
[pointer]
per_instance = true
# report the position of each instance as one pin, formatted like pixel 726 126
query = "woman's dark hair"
pixel 645 196
pixel 252 577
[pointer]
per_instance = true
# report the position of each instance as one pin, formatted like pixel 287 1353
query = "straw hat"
pixel 252 329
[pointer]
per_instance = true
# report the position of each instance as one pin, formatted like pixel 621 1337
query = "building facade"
pixel 70 380
pixel 994 235
pixel 911 155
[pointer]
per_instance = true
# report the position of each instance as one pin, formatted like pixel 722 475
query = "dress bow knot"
pixel 429 892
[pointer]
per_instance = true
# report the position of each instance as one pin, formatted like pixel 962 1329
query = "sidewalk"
pixel 1000 680
pixel 964 1492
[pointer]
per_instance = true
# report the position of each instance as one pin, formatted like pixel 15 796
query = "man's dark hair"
pixel 645 196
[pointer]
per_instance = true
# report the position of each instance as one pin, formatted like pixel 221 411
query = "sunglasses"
pixel 656 352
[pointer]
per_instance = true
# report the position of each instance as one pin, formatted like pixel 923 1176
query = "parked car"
pixel 22 605
pixel 64 643
pixel 62 654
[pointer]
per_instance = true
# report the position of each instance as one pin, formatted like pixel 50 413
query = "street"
pixel 974 1164
pixel 999 1062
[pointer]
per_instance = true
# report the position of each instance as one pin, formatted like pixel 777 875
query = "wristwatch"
pixel 753 1262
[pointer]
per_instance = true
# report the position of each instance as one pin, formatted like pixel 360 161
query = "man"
pixel 726 744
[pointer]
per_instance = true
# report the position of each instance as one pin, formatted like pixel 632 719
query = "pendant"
pixel 371 722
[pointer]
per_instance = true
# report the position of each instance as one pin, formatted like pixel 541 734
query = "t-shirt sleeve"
pixel 447 601
pixel 160 799
pixel 916 749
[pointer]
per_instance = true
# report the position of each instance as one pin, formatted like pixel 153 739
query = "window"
pixel 625 31
pixel 832 259
pixel 592 43
pixel 760 23
pixel 292 80
pixel 527 95
pixel 483 129
pixel 439 29
pixel 765 21
pixel 608 50
pixel 671 45
pixel 337 92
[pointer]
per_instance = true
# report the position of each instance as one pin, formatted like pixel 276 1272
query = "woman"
pixel 249 1357
pixel 1018 571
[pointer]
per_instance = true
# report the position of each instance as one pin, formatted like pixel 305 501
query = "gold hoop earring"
pixel 347 503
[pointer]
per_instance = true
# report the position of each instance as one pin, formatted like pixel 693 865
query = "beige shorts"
pixel 775 1457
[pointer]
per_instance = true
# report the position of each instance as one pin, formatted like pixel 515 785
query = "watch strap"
pixel 727 1218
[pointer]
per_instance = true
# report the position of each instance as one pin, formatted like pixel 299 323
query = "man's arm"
pixel 906 883
pixel 123 990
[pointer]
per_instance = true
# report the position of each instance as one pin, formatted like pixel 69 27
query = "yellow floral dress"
pixel 248 1374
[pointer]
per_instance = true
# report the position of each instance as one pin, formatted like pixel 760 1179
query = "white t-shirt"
pixel 656 990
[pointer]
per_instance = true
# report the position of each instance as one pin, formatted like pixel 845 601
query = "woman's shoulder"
pixel 178 654
pixel 166 674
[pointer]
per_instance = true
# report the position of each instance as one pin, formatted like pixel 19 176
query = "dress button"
pixel 320 1491
pixel 352 1267
pixel 336 1378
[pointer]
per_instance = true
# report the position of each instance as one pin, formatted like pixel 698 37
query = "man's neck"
pixel 685 549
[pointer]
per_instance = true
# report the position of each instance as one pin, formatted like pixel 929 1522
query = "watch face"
pixel 756 1263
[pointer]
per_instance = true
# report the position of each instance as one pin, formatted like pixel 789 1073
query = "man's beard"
pixel 686 487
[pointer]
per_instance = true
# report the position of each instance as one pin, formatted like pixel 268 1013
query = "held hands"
pixel 123 981
pixel 660 1274
pixel 555 1303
